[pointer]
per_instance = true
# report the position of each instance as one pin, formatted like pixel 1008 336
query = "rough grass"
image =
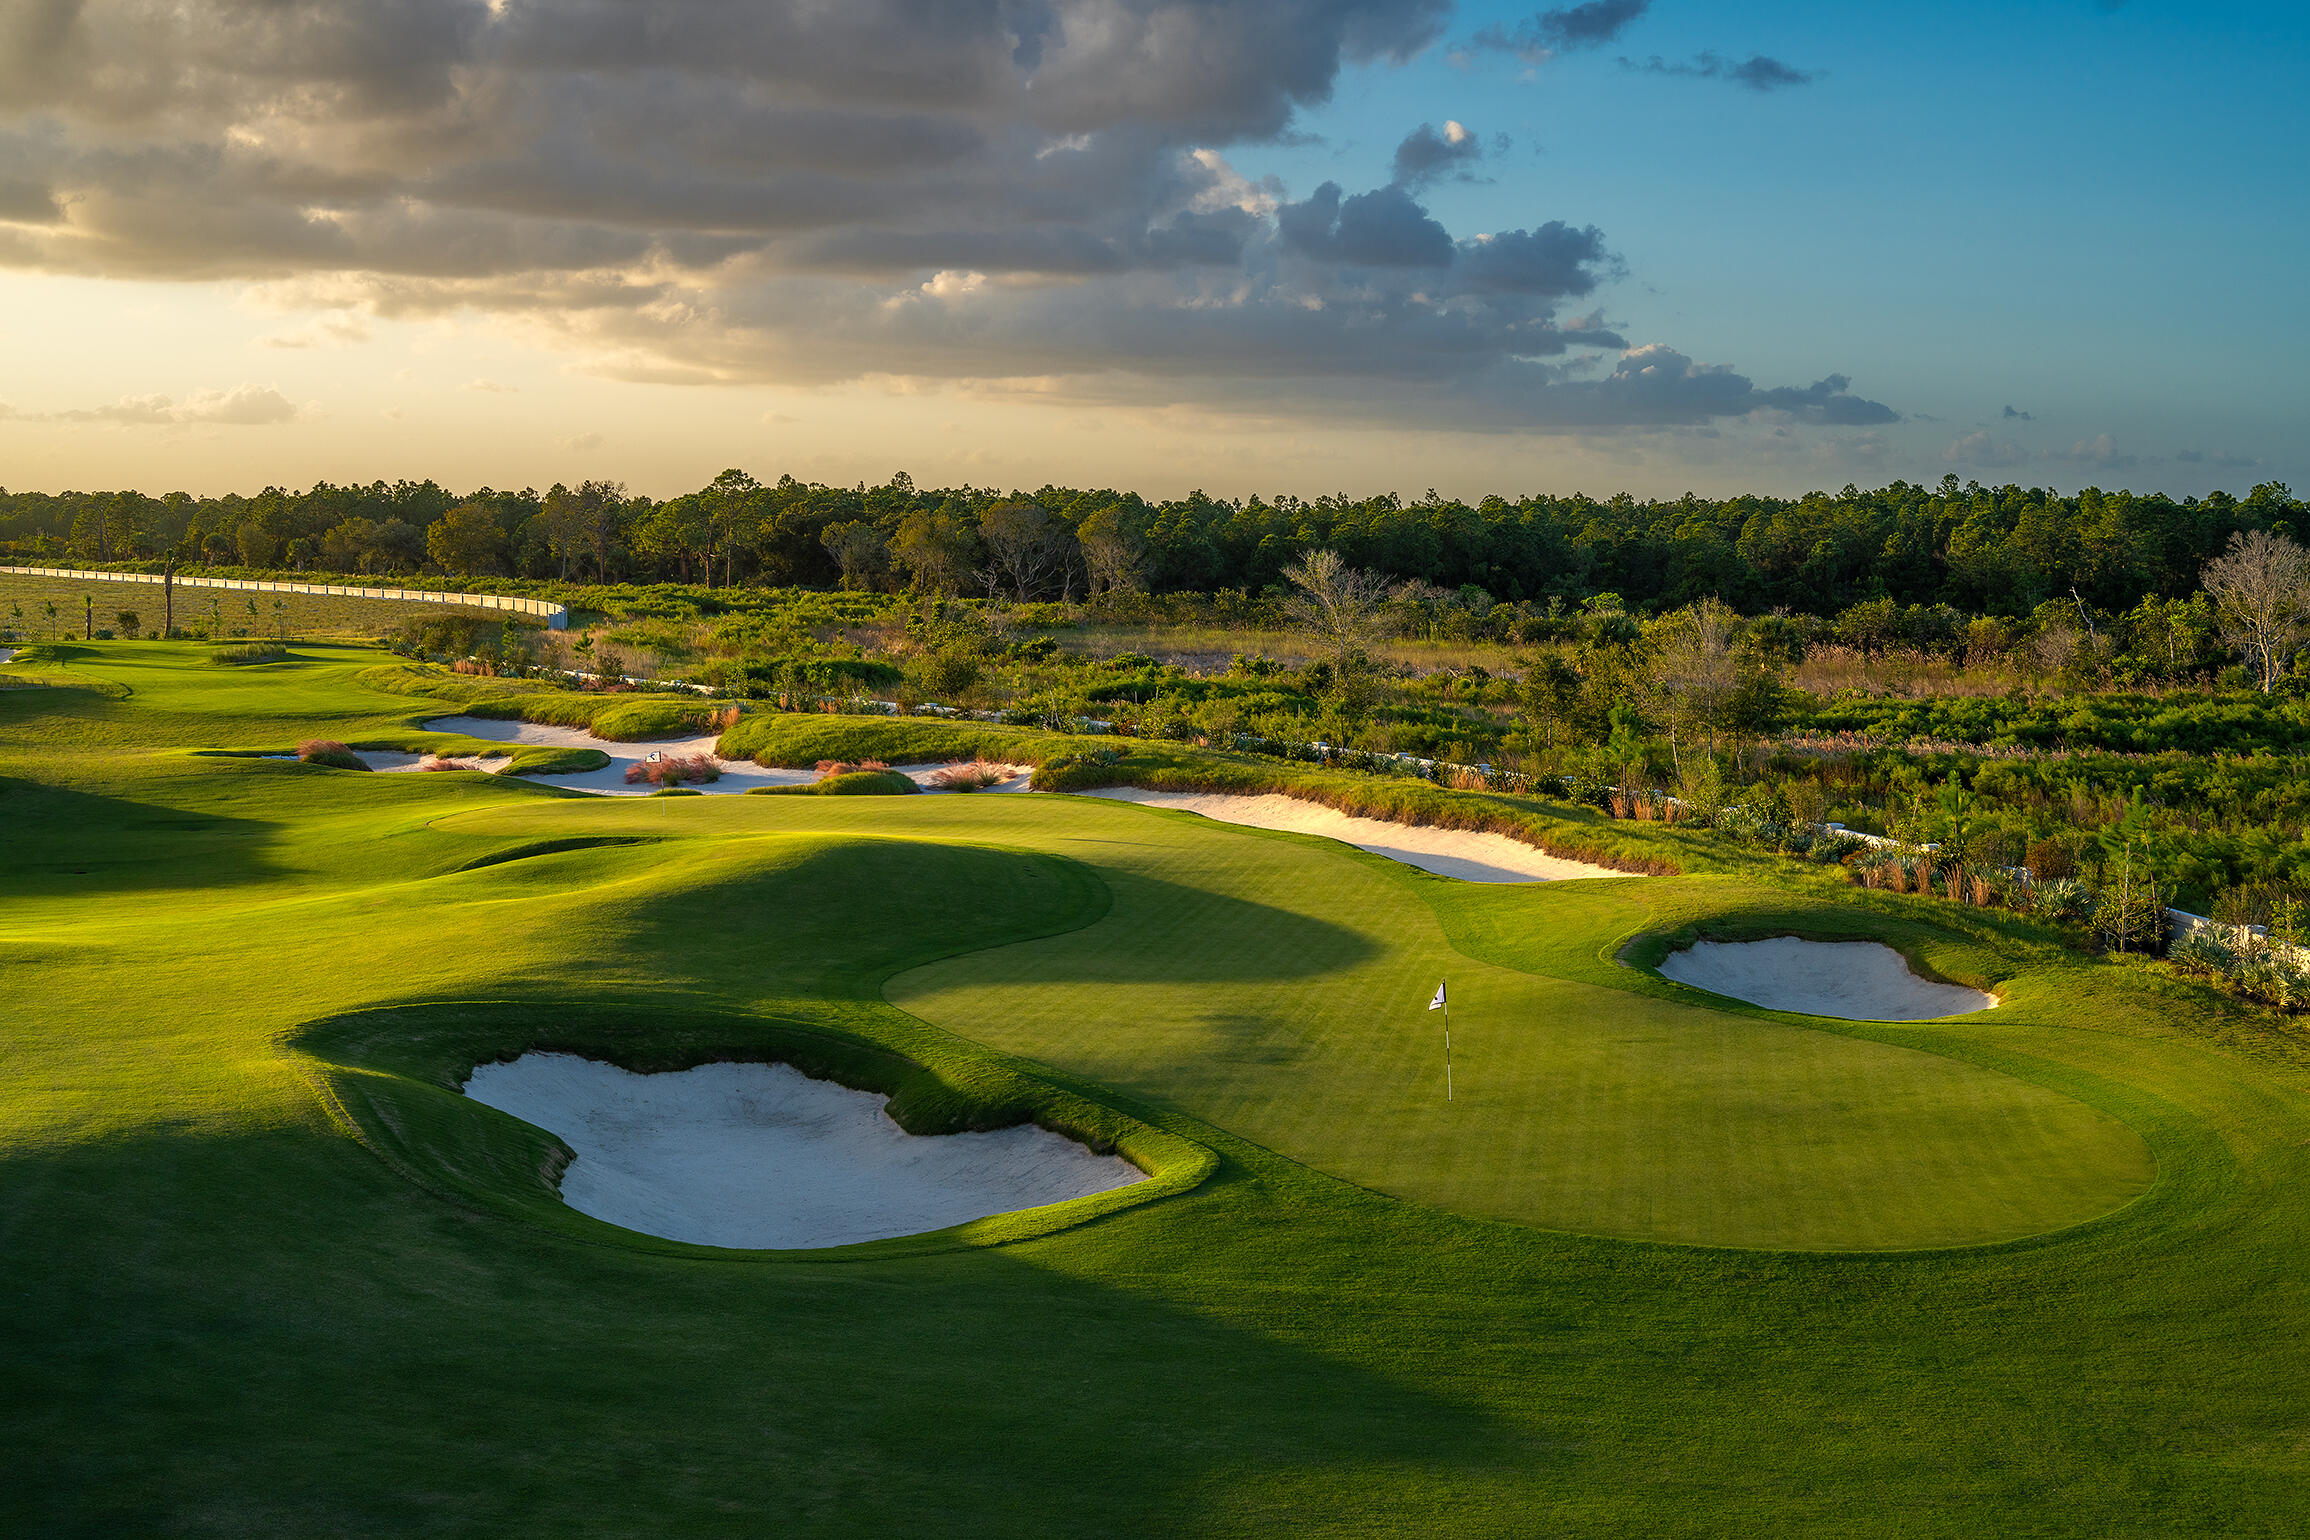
pixel 229 1314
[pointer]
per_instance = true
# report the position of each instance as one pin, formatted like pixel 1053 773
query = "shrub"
pixel 328 751
pixel 674 770
pixel 250 652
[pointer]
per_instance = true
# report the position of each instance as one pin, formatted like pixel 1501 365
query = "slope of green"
pixel 227 1315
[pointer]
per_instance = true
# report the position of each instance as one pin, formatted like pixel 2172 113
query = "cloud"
pixel 2221 459
pixel 1987 451
pixel 582 441
pixel 1426 155
pixel 1385 227
pixel 323 331
pixel 2010 415
pixel 243 406
pixel 1540 37
pixel 928 194
pixel 489 387
pixel 2100 452
pixel 1758 72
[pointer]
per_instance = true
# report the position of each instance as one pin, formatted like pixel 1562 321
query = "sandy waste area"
pixel 762 1156
pixel 1850 980
pixel 1468 854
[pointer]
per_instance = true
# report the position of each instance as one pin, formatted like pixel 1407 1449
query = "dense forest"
pixel 1974 550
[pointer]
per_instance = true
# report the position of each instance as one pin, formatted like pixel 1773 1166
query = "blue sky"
pixel 2097 216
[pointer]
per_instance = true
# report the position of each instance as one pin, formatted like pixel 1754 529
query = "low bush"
pixel 830 768
pixel 250 652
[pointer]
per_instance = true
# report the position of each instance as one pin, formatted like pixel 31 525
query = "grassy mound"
pixel 857 783
pixel 548 760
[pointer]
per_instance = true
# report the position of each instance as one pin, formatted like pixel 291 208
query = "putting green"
pixel 1275 986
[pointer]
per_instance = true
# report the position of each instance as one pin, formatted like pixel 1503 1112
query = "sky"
pixel 1247 246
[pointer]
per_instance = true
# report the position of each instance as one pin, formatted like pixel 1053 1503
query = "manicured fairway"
pixel 240 1307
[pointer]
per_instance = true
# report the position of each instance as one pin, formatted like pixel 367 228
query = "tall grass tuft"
pixel 328 751
pixel 970 775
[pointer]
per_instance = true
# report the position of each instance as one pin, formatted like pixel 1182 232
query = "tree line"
pixel 1974 550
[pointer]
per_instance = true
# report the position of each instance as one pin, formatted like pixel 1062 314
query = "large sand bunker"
pixel 760 1155
pixel 1851 980
pixel 1471 855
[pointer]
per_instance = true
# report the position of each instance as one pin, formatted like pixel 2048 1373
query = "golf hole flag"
pixel 1439 1004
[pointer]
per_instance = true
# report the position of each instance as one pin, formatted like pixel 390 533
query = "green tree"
pixel 466 540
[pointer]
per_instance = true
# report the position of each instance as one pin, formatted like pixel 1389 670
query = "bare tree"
pixel 1335 601
pixel 1025 542
pixel 1113 550
pixel 1697 670
pixel 2261 592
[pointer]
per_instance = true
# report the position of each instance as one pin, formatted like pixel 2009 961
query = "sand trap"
pixel 394 762
pixel 760 1155
pixel 738 775
pixel 1463 853
pixel 1851 980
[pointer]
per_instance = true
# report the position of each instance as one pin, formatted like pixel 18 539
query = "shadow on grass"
pixel 63 842
pixel 250 1333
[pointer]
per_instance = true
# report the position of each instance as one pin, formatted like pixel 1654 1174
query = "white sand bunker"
pixel 738 775
pixel 761 1155
pixel 1467 854
pixel 1851 980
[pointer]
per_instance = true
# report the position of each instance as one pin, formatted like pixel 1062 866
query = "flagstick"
pixel 1447 1048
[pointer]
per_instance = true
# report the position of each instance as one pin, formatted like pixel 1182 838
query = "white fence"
pixel 555 616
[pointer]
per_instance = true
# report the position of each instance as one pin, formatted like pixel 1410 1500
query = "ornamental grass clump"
pixel 674 770
pixel 971 775
pixel 328 751
pixel 828 769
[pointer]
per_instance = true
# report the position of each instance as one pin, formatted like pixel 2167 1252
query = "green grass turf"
pixel 228 1315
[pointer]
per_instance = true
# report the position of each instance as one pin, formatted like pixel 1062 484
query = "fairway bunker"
pixel 760 1156
pixel 1472 855
pixel 1850 980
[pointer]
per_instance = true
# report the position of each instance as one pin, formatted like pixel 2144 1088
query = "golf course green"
pixel 1664 1265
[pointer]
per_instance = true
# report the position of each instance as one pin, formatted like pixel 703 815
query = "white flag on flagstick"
pixel 1437 1004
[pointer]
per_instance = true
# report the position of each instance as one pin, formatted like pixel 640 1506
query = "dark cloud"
pixel 1540 37
pixel 1385 227
pixel 1554 259
pixel 2010 415
pixel 787 190
pixel 1757 72
pixel 1426 155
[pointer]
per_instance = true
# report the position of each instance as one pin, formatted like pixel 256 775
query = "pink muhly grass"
pixel 970 775
pixel 674 770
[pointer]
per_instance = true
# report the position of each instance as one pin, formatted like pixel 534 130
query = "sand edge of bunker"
pixel 391 1077
pixel 1849 979
pixel 1649 953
